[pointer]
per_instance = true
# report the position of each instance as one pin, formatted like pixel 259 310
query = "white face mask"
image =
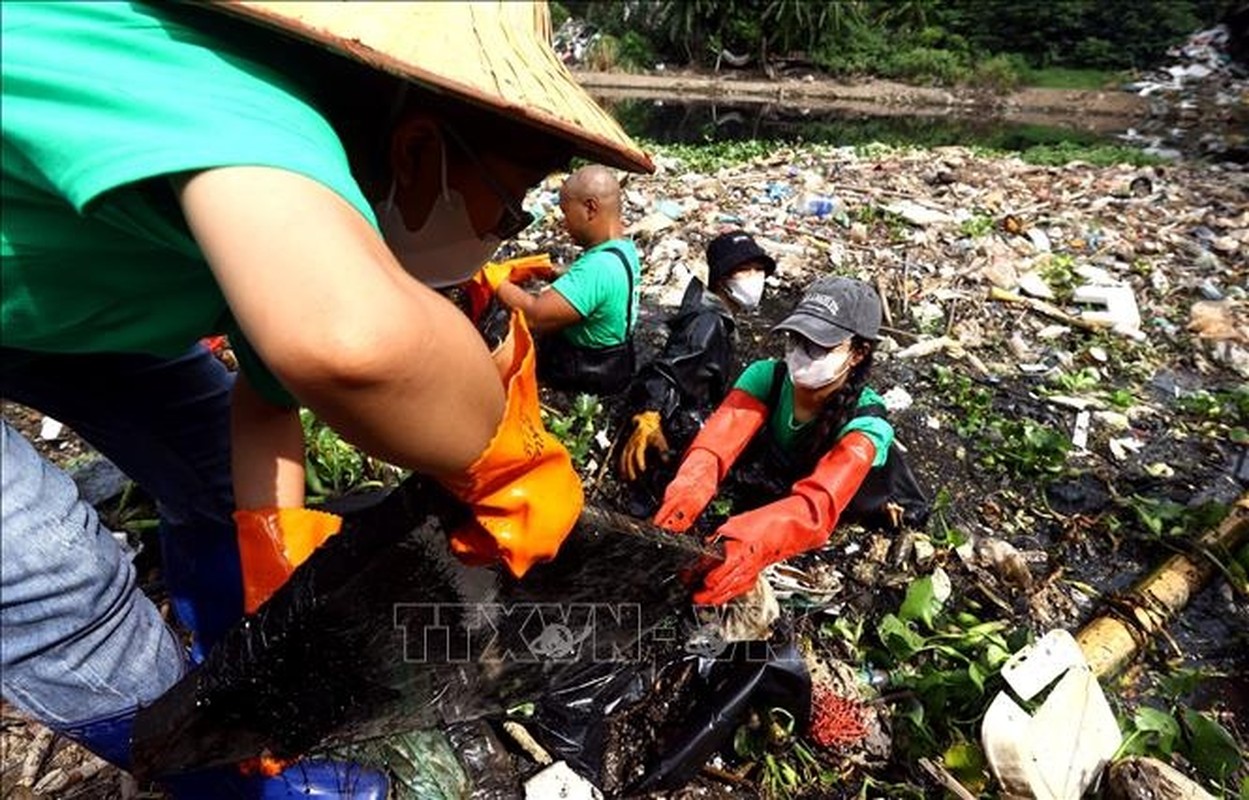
pixel 816 373
pixel 446 250
pixel 746 288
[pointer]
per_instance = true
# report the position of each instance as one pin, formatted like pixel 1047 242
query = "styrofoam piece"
pixel 50 429
pixel 1121 311
pixel 1057 752
pixel 559 782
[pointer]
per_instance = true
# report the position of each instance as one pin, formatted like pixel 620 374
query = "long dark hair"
pixel 838 408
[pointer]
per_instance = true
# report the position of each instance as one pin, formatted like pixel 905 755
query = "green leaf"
pixel 1212 750
pixel 994 656
pixel 898 637
pixel 1180 683
pixel 1158 722
pixel 746 743
pixel 925 598
pixel 966 760
pixel 977 675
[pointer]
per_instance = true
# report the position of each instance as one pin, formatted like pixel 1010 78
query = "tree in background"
pixel 938 39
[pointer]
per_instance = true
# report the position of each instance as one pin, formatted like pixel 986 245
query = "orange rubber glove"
pixel 482 286
pixel 524 493
pixel 273 542
pixel 794 524
pixel 648 434
pixel 722 439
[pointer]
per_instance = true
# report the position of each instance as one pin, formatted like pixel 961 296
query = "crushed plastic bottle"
pixel 778 191
pixel 816 205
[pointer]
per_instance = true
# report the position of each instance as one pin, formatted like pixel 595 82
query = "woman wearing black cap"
pixel 672 395
pixel 814 423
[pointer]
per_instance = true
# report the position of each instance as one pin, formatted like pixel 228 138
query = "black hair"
pixel 838 408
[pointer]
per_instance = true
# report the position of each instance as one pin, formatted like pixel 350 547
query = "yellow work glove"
pixel 273 542
pixel 648 433
pixel 523 491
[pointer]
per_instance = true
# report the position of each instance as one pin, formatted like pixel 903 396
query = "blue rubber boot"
pixel 109 738
pixel 204 577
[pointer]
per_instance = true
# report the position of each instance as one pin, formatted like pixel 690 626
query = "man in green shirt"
pixel 173 171
pixel 588 313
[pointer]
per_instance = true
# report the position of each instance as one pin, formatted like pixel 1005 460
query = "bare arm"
pixel 544 312
pixel 387 362
pixel 267 451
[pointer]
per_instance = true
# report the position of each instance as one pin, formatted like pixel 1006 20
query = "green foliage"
pixel 1059 274
pixel 973 403
pixel 1077 381
pixel 1024 448
pixel 1212 750
pixel 902 37
pixel 1176 729
pixel 133 512
pixel 559 14
pixel 950 670
pixel 333 467
pixel 576 428
pixel 783 764
pixel 1102 155
pixel 924 600
pixel 1018 446
pixel 711 156
pixel 1229 406
pixel 977 226
pixel 634 53
pixel 997 73
pixel 1164 518
pixel 926 65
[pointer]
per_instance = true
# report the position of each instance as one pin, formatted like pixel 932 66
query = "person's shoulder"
pixel 869 397
pixel 756 379
pixel 624 246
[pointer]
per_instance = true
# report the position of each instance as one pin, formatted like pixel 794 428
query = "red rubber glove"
pixel 273 542
pixel 794 524
pixel 523 491
pixel 722 439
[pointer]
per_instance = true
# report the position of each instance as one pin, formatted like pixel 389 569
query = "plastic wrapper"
pixel 382 631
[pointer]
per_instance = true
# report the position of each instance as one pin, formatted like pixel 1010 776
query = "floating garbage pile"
pixel 1200 100
pixel 989 256
pixel 1065 360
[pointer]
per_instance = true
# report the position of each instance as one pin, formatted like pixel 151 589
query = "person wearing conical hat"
pixel 302 177
pixel 806 435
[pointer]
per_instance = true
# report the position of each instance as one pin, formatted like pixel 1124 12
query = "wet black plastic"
pixel 381 630
pixel 490 770
pixel 651 726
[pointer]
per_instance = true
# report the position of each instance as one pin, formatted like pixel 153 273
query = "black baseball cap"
pixel 833 309
pixel 728 251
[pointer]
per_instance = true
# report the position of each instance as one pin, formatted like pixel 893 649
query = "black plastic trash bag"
pixel 637 728
pixel 382 631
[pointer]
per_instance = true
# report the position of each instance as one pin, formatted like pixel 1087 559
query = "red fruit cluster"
pixel 835 721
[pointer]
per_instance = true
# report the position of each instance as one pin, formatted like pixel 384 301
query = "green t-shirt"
pixel 597 287
pixel 102 101
pixel 756 380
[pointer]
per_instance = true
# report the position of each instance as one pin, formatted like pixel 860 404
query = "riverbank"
pixel 879 96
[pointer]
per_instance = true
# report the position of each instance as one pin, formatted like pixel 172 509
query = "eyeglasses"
pixel 813 350
pixel 515 218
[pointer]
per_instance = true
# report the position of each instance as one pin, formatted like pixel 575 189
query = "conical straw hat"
pixel 495 54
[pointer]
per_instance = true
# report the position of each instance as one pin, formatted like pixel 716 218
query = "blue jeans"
pixel 68 601
pixel 79 642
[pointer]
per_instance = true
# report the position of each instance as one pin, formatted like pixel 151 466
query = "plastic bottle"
pixel 817 205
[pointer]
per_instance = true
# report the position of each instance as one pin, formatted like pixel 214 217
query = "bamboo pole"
pixel 1110 642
